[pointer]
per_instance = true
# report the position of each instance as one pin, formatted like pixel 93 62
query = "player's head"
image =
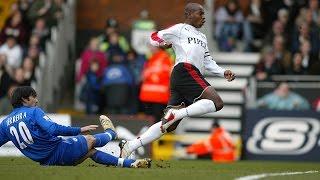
pixel 24 96
pixel 194 15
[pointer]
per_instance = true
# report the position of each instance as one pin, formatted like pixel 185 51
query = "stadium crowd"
pixel 22 38
pixel 116 77
pixel 290 47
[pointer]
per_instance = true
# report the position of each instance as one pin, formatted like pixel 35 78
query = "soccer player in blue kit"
pixel 36 136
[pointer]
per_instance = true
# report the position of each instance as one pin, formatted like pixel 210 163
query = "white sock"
pixel 120 162
pixel 200 107
pixel 152 134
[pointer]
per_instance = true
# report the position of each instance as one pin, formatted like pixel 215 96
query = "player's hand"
pixel 229 75
pixel 88 129
pixel 165 45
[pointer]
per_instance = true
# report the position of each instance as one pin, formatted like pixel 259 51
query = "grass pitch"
pixel 25 169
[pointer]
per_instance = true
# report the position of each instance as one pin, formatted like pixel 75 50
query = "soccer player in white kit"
pixel 190 93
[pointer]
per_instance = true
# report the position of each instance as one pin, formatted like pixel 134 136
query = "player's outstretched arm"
pixel 212 67
pixel 88 129
pixel 53 128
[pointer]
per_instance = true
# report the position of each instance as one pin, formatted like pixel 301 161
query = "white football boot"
pixel 106 123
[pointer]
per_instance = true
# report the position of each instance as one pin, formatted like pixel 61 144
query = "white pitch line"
pixel 259 176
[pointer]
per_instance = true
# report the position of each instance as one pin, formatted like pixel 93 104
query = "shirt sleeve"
pixel 211 66
pixel 165 35
pixel 53 128
pixel 3 137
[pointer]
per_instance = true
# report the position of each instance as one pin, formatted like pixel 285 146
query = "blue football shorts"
pixel 68 152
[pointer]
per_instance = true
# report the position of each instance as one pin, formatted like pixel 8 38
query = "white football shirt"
pixel 189 45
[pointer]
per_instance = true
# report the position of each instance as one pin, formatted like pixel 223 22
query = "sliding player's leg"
pixel 101 139
pixel 82 147
pixel 107 159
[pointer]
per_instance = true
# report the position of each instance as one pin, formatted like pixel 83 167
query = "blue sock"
pixel 103 138
pixel 107 159
pixel 104 158
pixel 128 162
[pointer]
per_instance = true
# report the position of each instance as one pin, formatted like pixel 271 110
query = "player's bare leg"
pixel 154 132
pixel 209 101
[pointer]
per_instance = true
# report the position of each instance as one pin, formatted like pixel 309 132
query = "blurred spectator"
pixel 12 51
pixel 24 6
pixel 39 9
pixel 28 67
pixel 112 27
pixel 155 82
pixel 253 26
pixel 5 78
pixel 92 53
pixel 117 83
pixel 33 53
pixel 19 78
pixel 50 10
pixel 141 31
pixel 282 55
pixel 228 25
pixel 136 63
pixel 220 145
pixel 5 102
pixel 277 30
pixel 34 41
pixel 57 12
pixel 267 66
pixel 90 94
pixel 15 28
pixel 306 30
pixel 297 67
pixel 114 46
pixel 313 6
pixel 40 29
pixel 309 61
pixel 283 17
pixel 271 9
pixel 282 98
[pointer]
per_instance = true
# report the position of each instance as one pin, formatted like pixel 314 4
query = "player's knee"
pixel 173 126
pixel 90 140
pixel 218 103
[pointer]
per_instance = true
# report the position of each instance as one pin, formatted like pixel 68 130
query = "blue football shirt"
pixel 33 132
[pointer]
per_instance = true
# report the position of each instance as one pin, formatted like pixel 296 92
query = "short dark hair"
pixel 21 92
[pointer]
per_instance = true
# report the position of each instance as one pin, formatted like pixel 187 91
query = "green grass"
pixel 24 169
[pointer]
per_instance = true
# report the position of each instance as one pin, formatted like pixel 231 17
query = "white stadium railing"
pixel 53 62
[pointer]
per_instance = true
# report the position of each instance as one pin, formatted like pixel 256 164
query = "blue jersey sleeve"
pixel 3 136
pixel 53 128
